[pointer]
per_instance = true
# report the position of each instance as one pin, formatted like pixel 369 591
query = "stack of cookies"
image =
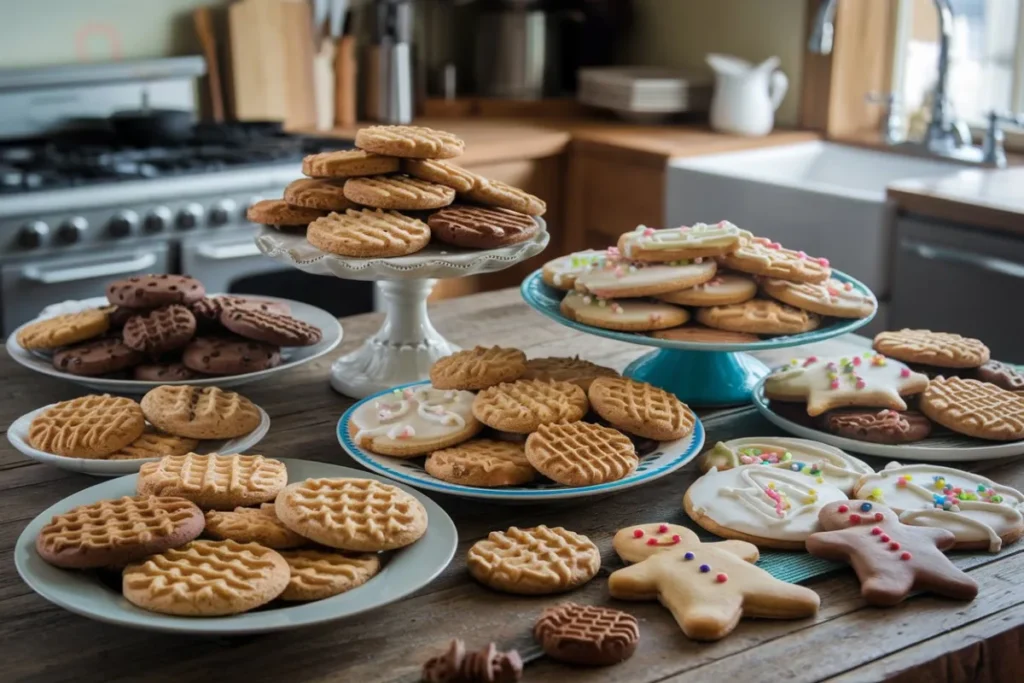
pixel 215 535
pixel 703 283
pixel 396 193
pixel 864 397
pixel 170 420
pixel 163 328
pixel 565 419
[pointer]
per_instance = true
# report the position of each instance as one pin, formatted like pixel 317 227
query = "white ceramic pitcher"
pixel 746 95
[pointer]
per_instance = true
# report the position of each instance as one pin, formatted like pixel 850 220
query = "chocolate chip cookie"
pixel 227 356
pixel 98 357
pixel 1002 375
pixel 161 330
pixel 271 328
pixel 481 228
pixel 163 372
pixel 877 426
pixel 150 291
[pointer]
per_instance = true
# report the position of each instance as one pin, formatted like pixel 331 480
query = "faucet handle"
pixel 887 98
pixel 992 145
pixel 892 124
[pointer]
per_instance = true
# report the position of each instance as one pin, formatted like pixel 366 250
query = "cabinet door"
pixel 960 279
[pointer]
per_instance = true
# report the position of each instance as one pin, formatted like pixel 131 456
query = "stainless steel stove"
pixel 79 206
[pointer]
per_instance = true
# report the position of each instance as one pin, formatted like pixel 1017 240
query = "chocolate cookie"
pixel 877 426
pixel 1002 375
pixel 163 372
pixel 587 634
pixel 150 291
pixel 226 356
pixel 481 228
pixel 97 357
pixel 209 308
pixel 119 315
pixel 271 328
pixel 160 330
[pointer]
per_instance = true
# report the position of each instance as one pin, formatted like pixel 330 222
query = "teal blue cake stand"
pixel 698 373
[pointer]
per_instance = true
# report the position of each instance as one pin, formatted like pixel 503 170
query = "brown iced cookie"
pixel 270 328
pixel 1002 375
pixel 160 330
pixel 163 372
pixel 150 291
pixel 226 356
pixel 877 426
pixel 481 228
pixel 98 357
pixel 322 194
pixel 587 634
pixel 485 666
pixel 279 212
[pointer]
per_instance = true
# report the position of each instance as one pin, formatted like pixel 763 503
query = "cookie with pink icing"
pixel 982 514
pixel 684 242
pixel 623 280
pixel 561 273
pixel 868 380
pixel 769 507
pixel 414 421
pixel 832 297
pixel 724 289
pixel 625 315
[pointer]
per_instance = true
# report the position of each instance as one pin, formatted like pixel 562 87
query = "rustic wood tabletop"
pixel 924 639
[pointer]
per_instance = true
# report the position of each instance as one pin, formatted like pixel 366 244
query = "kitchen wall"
pixel 680 32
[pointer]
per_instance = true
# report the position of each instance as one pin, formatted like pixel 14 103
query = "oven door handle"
pixel 89 272
pixel 991 264
pixel 228 252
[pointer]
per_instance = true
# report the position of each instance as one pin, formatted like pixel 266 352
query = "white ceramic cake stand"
pixel 406 345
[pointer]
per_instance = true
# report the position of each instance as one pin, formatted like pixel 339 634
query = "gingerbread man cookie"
pixel 891 559
pixel 708 587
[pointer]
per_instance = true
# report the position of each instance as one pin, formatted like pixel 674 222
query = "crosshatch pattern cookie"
pixel 279 212
pixel 97 357
pixel 398 192
pixel 415 142
pixel 576 370
pixel 207 579
pixel 414 421
pixel 482 462
pixel 587 634
pixel 535 561
pixel 522 406
pixel 87 427
pixel 270 328
pixel 640 408
pixel 441 172
pixel 150 291
pixel 368 233
pixel 160 330
pixel 940 349
pixel 759 316
pixel 361 515
pixel 214 481
pixel 974 408
pixel 832 297
pixel 496 193
pixel 154 444
pixel 319 574
pixel 200 412
pixel 112 533
pixel 64 329
pixel 225 356
pixel 320 194
pixel 478 368
pixel 252 525
pixel 347 163
pixel 581 453
pixel 476 227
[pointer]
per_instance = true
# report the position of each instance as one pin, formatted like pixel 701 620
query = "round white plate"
pixel 18 436
pixel 945 446
pixel 667 458
pixel 404 571
pixel 290 356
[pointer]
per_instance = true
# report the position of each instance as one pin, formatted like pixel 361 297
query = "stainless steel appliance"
pixel 516 50
pixel 388 85
pixel 79 206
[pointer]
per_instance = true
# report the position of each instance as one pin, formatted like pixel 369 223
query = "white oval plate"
pixel 667 458
pixel 943 447
pixel 290 357
pixel 18 436
pixel 404 571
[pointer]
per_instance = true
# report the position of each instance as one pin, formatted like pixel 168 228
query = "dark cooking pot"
pixel 148 126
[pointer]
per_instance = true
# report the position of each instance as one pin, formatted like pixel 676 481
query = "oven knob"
pixel 157 219
pixel 70 231
pixel 190 216
pixel 32 235
pixel 222 212
pixel 123 224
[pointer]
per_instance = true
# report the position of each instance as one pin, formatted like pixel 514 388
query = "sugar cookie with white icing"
pixel 771 508
pixel 723 289
pixel 625 315
pixel 870 380
pixel 561 273
pixel 824 464
pixel 684 242
pixel 982 514
pixel 414 421
pixel 624 280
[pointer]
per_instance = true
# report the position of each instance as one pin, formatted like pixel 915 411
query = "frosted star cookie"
pixel 974 408
pixel 624 315
pixel 414 421
pixel 537 561
pixel 870 380
pixel 708 587
pixel 771 508
pixel 982 514
pixel 721 290
pixel 760 256
pixel 622 280
pixel 824 464
pixel 759 316
pixel 939 349
pixel 832 297
pixel 685 242
pixel 561 273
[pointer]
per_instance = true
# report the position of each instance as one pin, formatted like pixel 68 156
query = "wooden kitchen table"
pixel 924 639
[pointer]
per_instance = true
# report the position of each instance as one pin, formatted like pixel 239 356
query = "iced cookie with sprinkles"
pixel 414 421
pixel 869 380
pixel 616 279
pixel 982 514
pixel 760 256
pixel 832 297
pixel 823 463
pixel 561 273
pixel 723 289
pixel 684 242
pixel 771 508
pixel 624 315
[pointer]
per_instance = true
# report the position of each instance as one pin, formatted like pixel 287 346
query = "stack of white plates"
pixel 645 93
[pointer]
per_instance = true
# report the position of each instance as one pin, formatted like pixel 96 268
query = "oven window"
pixel 339 297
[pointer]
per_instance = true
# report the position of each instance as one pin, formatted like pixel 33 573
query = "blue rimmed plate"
pixel 668 457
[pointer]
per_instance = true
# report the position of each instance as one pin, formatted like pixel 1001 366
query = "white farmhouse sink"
pixel 826 199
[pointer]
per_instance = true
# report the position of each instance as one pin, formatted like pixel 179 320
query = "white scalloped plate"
pixel 434 261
